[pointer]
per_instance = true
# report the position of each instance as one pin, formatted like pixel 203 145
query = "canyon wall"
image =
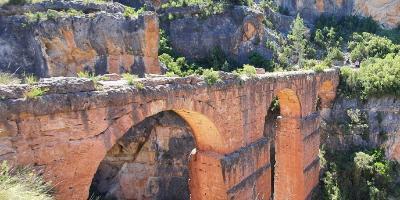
pixel 237 32
pixel 385 12
pixel 356 123
pixel 102 41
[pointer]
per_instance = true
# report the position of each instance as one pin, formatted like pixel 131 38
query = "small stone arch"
pixel 287 174
pixel 204 132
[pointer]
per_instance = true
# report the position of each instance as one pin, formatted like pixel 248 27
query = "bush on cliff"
pixel 366 45
pixel 210 76
pixel 22 184
pixel 377 76
pixel 360 174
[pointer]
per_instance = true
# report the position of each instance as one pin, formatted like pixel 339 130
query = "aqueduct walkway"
pixel 68 131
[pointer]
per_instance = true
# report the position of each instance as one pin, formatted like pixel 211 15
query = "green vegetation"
pixel 259 61
pixel 210 76
pixel 316 65
pixel 22 184
pixel 207 7
pixel 8 79
pixel 35 93
pixel 367 45
pixel 133 80
pixel 18 2
pixel 132 13
pixel 377 76
pixel 51 15
pixel 247 70
pixel 30 79
pixel 360 174
pixel 295 48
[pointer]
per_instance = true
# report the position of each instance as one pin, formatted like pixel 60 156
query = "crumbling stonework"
pixel 69 132
pixel 99 42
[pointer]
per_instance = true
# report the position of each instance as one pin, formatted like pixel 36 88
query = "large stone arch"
pixel 288 169
pixel 209 145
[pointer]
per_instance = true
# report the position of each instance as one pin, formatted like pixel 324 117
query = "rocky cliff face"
pixel 238 31
pixel 375 123
pixel 384 11
pixel 102 41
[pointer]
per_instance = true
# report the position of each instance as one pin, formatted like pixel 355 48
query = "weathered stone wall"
pixel 384 11
pixel 68 132
pixel 100 42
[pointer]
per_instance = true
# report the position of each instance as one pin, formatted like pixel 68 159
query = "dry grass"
pixel 22 184
pixel 8 79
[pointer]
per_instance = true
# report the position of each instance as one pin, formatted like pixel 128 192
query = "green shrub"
pixel 22 184
pixel 8 79
pixel 165 44
pixel 72 12
pixel 335 54
pixel 132 80
pixel 380 76
pixel 247 70
pixel 347 25
pixel 327 38
pixel 349 84
pixel 376 77
pixel 259 61
pixel 268 4
pixel 368 45
pixel 30 79
pixel 210 76
pixel 360 174
pixel 132 13
pixel 35 93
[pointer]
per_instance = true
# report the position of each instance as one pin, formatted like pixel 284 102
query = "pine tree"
pixel 298 41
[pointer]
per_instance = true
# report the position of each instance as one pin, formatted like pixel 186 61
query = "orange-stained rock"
pixel 383 11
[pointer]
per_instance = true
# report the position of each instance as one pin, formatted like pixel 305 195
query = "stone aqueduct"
pixel 67 133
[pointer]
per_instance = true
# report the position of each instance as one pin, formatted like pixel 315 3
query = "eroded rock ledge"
pixel 101 41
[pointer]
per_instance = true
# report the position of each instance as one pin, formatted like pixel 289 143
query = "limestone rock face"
pixel 99 42
pixel 381 117
pixel 387 12
pixel 237 31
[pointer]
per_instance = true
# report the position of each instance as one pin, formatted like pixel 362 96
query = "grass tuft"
pixel 35 93
pixel 132 80
pixel 22 183
pixel 8 79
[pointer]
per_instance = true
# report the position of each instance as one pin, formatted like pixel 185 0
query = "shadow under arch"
pixel 205 138
pixel 282 127
pixel 326 94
